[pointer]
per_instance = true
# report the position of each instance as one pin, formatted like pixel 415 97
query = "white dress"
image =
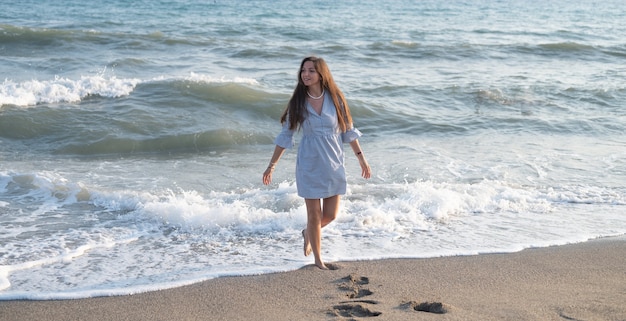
pixel 320 170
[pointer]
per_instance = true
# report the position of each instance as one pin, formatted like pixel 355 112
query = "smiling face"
pixel 309 75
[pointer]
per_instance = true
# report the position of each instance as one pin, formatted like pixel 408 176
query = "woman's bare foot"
pixel 321 265
pixel 307 244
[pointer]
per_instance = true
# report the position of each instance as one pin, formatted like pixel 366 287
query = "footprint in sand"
pixel 332 266
pixel 353 286
pixel 354 310
pixel 431 307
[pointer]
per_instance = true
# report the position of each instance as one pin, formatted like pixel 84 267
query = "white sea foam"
pixel 212 79
pixel 29 93
pixel 405 43
pixel 157 240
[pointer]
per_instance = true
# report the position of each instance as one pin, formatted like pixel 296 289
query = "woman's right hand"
pixel 267 175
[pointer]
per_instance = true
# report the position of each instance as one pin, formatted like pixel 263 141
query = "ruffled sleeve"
pixel 285 137
pixel 350 135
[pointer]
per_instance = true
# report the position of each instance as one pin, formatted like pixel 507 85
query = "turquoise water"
pixel 133 136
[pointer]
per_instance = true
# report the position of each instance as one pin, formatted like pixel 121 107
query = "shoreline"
pixel 582 281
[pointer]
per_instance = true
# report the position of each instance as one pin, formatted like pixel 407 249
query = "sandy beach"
pixel 584 281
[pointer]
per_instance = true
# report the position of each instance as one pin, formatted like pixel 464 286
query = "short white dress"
pixel 320 170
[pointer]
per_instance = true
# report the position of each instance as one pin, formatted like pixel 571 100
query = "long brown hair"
pixel 296 108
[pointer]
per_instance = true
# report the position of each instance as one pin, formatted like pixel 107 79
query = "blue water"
pixel 133 136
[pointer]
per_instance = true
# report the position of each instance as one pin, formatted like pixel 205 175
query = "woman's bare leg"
pixel 318 217
pixel 330 209
pixel 314 229
pixel 307 244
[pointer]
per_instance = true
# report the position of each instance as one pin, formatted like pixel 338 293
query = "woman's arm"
pixel 267 175
pixel 366 171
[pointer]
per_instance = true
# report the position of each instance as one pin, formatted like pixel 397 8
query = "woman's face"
pixel 309 75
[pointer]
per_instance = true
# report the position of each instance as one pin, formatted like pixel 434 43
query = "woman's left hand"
pixel 366 171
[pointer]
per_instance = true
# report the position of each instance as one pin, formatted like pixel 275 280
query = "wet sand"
pixel 585 281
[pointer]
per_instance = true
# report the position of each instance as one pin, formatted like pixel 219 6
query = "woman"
pixel 319 109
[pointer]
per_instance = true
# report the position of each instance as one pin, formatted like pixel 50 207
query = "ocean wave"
pixel 34 37
pixel 19 34
pixel 196 211
pixel 58 90
pixel 67 90
pixel 201 112
pixel 567 46
pixel 211 140
pixel 478 51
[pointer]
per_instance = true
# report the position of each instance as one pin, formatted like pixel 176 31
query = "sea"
pixel 134 135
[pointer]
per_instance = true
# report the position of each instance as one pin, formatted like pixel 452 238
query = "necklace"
pixel 316 98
